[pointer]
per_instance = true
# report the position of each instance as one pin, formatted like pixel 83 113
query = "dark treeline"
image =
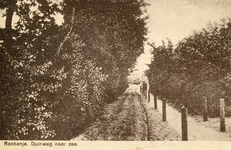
pixel 55 79
pixel 198 67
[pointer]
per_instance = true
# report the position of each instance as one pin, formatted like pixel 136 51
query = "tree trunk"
pixel 9 14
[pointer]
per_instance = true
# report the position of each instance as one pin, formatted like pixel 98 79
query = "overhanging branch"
pixel 69 33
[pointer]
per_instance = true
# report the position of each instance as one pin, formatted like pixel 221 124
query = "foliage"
pixel 198 67
pixel 57 78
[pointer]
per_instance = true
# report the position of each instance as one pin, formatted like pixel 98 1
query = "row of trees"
pixel 199 66
pixel 56 78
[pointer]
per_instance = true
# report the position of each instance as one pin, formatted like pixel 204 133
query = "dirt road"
pixel 129 119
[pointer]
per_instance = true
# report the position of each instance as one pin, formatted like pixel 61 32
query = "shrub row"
pixel 57 76
pixel 197 67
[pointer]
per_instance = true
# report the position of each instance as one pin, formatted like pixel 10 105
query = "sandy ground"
pixel 158 130
pixel 197 129
pixel 129 119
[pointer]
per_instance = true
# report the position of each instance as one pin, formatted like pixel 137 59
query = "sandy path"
pixel 197 130
pixel 129 119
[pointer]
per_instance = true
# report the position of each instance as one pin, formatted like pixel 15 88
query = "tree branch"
pixel 68 34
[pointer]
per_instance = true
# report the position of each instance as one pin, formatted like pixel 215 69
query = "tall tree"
pixel 57 78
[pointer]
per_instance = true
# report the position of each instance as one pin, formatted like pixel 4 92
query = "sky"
pixel 177 19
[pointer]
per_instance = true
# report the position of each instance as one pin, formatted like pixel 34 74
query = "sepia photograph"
pixel 115 74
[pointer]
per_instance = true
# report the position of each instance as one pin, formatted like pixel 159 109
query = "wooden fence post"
pixel 148 96
pixel 184 123
pixel 205 109
pixel 222 114
pixel 155 101
pixel 164 109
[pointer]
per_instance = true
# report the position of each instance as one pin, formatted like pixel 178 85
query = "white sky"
pixel 176 19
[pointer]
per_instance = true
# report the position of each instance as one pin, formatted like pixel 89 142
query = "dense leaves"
pixel 198 67
pixel 56 77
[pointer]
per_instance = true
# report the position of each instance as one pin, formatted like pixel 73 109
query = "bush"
pixel 56 78
pixel 198 67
